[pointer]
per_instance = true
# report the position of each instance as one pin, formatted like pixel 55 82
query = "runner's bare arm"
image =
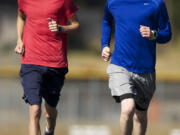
pixel 19 49
pixel 74 25
pixel 71 27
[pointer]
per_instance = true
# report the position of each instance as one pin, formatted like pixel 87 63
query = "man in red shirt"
pixel 42 28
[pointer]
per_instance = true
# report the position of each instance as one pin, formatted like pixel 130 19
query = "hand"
pixel 106 53
pixel 53 26
pixel 146 32
pixel 19 49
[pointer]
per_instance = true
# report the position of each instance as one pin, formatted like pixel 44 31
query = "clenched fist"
pixel 53 26
pixel 146 32
pixel 19 49
pixel 106 53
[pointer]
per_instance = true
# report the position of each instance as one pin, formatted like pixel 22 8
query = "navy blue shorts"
pixel 42 82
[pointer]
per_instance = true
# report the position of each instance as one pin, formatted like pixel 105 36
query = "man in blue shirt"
pixel 139 25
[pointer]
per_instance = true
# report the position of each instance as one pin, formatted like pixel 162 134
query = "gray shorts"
pixel 125 84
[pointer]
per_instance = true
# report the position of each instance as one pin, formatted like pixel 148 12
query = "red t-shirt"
pixel 43 47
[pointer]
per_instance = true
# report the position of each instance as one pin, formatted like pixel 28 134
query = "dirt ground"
pixel 63 129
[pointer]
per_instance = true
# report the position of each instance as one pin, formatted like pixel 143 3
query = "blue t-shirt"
pixel 131 50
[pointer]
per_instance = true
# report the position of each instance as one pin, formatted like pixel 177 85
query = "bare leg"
pixel 51 115
pixel 140 122
pixel 34 114
pixel 126 117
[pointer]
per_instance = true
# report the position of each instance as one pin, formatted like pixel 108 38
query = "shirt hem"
pixel 46 64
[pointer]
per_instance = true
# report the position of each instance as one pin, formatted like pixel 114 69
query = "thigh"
pixel 145 88
pixel 128 106
pixel 53 82
pixel 31 79
pixel 120 83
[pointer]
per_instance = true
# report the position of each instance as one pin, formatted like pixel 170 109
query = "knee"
pixel 127 110
pixel 140 117
pixel 49 114
pixel 35 111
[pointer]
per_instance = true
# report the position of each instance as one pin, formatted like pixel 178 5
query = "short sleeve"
pixel 20 9
pixel 70 8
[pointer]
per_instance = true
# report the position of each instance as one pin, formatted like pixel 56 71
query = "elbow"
pixel 107 22
pixel 164 39
pixel 169 37
pixel 77 26
pixel 22 16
